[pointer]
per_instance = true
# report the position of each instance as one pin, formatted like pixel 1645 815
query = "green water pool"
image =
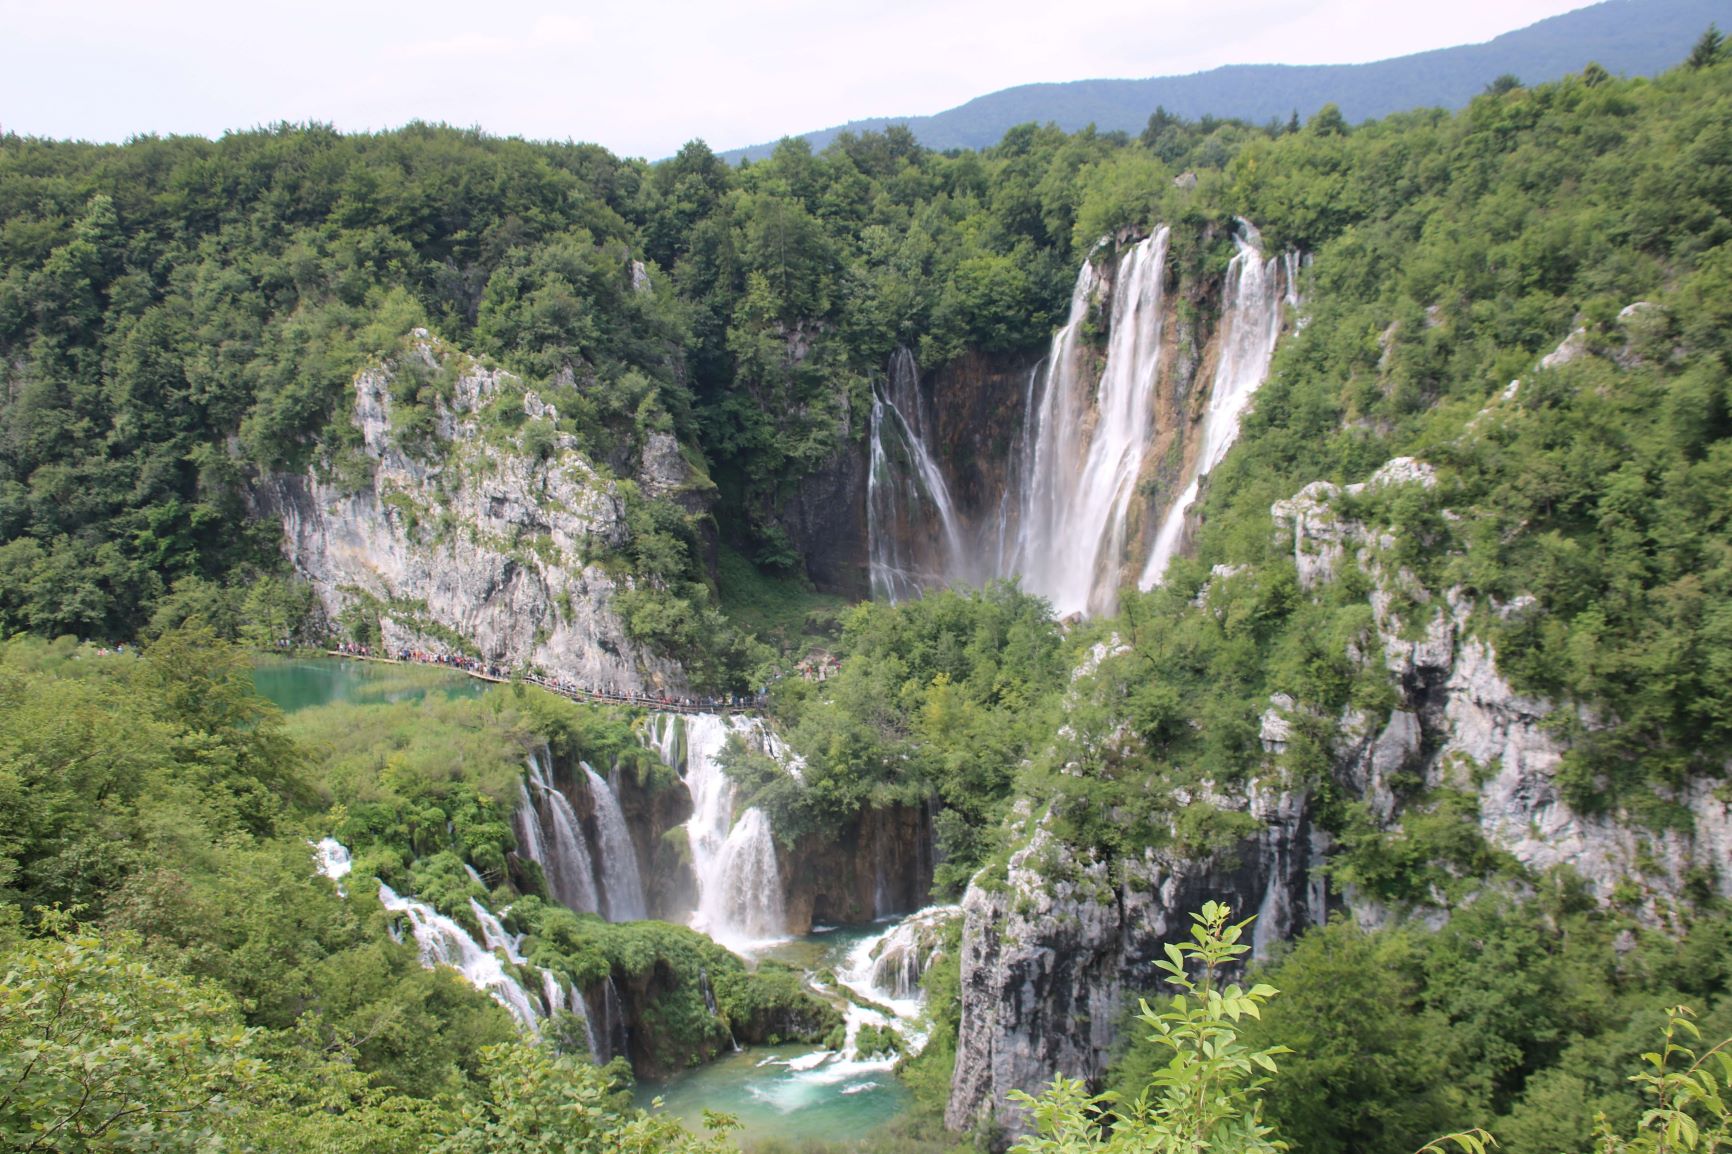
pixel 297 683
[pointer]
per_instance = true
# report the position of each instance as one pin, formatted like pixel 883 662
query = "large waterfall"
pixel 914 539
pixel 740 899
pixel 1103 429
pixel 1250 325
pixel 1088 441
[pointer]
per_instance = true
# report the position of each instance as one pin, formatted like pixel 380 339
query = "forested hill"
pixel 1628 37
pixel 1456 613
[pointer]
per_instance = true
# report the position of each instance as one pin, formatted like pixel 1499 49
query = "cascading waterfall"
pixel 907 501
pixel 559 1000
pixel 442 942
pixel 744 902
pixel 493 934
pixel 334 861
pixel 901 957
pixel 740 900
pixel 1251 324
pixel 564 857
pixel 1073 520
pixel 623 887
pixel 1087 443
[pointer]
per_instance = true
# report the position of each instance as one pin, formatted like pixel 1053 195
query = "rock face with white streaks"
pixel 483 526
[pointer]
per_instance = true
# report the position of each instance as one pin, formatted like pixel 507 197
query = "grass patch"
pixel 784 612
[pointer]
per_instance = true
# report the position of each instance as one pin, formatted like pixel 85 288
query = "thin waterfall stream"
pixel 914 538
pixel 1251 324
pixel 622 892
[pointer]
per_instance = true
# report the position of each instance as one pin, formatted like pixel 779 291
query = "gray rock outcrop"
pixel 488 529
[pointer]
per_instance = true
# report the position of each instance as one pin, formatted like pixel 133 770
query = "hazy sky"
pixel 643 76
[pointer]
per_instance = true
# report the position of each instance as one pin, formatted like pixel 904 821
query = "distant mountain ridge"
pixel 1629 37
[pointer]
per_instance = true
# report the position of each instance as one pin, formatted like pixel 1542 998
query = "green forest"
pixel 182 317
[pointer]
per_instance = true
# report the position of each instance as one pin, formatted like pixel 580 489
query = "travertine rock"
pixel 483 533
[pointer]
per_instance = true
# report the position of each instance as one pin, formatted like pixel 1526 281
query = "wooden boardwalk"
pixel 585 696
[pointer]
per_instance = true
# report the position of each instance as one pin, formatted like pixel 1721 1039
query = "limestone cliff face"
pixel 881 865
pixel 825 518
pixel 1052 956
pixel 490 527
pixel 1054 952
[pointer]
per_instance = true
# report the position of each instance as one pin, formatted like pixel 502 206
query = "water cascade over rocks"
pixel 1088 442
pixel 1250 325
pixel 913 536
pixel 442 942
pixel 334 860
pixel 493 935
pixel 740 899
pixel 622 888
pixel 899 959
pixel 553 838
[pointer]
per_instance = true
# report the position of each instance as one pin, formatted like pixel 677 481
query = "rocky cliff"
pixel 977 402
pixel 879 866
pixel 1057 947
pixel 482 529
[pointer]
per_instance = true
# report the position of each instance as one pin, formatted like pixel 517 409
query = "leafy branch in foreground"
pixel 1474 1141
pixel 1690 1111
pixel 1206 1096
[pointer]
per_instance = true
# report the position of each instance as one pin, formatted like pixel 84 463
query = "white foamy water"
pixel 740 901
pixel 442 942
pixel 1251 324
pixel 333 859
